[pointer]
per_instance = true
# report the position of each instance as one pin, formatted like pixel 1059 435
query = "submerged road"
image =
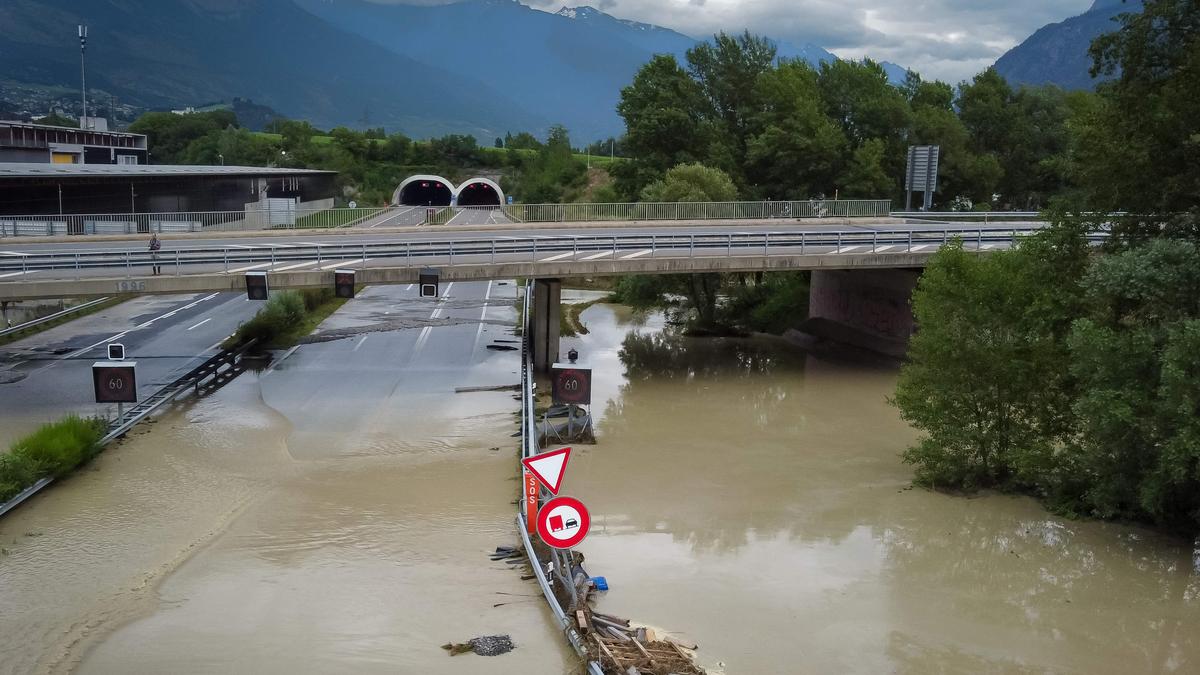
pixel 47 375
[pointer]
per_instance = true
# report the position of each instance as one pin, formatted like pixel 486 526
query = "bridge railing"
pixel 639 211
pixel 188 221
pixel 475 249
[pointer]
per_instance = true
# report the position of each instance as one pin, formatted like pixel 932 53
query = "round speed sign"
pixel 573 386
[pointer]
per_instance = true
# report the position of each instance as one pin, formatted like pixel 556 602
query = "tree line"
pixel 1068 371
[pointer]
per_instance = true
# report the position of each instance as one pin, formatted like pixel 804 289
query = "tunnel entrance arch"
pixel 424 190
pixel 480 192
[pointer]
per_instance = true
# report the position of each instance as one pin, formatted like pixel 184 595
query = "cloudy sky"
pixel 946 39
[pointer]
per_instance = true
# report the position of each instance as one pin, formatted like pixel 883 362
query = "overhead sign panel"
pixel 922 168
pixel 549 467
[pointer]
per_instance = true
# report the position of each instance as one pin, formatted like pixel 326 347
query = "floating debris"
pixel 489 645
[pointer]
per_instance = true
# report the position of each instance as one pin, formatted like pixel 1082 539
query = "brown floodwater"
pixel 752 500
pixel 333 515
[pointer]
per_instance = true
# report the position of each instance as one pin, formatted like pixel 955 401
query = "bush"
pixel 315 297
pixel 284 311
pixel 53 450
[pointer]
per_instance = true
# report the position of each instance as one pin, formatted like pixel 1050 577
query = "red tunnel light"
pixel 437 185
pixel 426 185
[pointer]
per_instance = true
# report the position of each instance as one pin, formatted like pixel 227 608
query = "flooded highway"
pixel 751 499
pixel 333 514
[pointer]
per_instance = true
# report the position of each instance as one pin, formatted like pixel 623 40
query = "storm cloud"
pixel 945 39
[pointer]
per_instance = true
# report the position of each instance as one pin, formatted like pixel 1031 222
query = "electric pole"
pixel 83 35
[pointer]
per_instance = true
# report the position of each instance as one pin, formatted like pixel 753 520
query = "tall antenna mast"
pixel 83 35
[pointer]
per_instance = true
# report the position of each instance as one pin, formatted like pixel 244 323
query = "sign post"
pixel 531 501
pixel 921 175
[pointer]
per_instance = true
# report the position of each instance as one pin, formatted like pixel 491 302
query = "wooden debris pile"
pixel 625 650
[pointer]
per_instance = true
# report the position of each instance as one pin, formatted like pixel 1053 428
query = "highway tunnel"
pixel 424 191
pixel 480 192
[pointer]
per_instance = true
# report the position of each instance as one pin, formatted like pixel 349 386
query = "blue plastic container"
pixel 601 583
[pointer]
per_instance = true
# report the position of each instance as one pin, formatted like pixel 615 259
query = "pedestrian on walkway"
pixel 155 244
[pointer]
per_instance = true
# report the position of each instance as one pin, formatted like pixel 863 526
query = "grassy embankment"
pixel 55 449
pixel 287 317
pixel 34 330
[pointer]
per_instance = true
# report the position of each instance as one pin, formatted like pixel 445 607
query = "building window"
pixel 127 159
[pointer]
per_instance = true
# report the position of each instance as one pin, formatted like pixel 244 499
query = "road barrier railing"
pixel 479 250
pixel 638 211
pixel 190 221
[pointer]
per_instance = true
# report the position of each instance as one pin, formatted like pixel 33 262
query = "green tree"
pixel 963 175
pixel 987 378
pixel 1135 355
pixel 691 183
pixel 794 150
pixel 169 134
pixel 1138 144
pixel 664 113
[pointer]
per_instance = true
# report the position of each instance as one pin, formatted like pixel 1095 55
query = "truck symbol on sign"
pixel 557 524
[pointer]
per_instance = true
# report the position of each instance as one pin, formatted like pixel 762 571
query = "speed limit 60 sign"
pixel 114 381
pixel 571 384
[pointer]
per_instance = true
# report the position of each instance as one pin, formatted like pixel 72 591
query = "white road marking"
pixel 482 316
pixel 410 287
pixel 884 249
pixel 446 293
pixel 12 253
pixel 16 274
pixel 560 256
pixel 248 268
pixel 635 255
pixel 346 263
pixel 360 342
pixel 849 249
pixel 292 267
pixel 243 246
pixel 922 247
pixel 201 323
pixel 594 256
pixel 988 247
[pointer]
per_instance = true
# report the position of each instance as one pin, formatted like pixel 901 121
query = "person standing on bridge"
pixel 155 244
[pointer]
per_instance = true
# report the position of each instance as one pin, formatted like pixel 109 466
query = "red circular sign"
pixel 563 522
pixel 573 386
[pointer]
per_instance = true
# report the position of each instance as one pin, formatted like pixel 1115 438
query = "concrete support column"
pixel 547 304
pixel 869 309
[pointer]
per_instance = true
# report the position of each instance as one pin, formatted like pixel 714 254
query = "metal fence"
pixel 574 213
pixel 475 250
pixel 194 221
pixel 402 216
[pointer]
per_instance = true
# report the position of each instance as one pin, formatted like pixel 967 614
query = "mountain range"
pixel 1058 53
pixel 482 67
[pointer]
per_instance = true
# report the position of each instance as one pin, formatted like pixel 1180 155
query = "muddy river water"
pixel 745 497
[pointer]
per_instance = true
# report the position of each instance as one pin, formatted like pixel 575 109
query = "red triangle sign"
pixel 549 467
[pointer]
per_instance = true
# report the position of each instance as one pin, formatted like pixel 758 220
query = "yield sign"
pixel 549 467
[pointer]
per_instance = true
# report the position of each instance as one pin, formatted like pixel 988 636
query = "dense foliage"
pixel 1071 373
pixel 782 129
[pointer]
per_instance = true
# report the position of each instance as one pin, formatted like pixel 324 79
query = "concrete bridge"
pixel 864 270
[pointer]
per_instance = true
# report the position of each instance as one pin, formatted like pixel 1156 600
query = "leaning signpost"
pixel 921 175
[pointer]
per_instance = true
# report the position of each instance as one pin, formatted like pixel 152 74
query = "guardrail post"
pixel 910 241
pixel 225 255
pixel 766 244
pixel 801 243
pixel 493 251
pixel 653 247
pixel 178 267
pixel 451 251
pixel 77 273
pixel 729 247
pixel 874 241
pixel 839 242
pixel 128 265
pixel 691 246
pixel 1014 237
pixel 979 241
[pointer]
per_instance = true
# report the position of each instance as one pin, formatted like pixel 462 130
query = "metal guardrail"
pixel 50 317
pixel 507 249
pixel 402 215
pixel 638 211
pixel 529 448
pixel 188 221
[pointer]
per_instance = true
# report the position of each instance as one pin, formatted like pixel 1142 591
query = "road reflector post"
pixel 429 283
pixel 115 381
pixel 343 283
pixel 256 286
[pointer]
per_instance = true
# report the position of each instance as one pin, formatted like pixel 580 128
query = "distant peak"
pixel 581 12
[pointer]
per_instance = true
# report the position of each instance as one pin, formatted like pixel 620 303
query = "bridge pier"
pixel 547 305
pixel 868 309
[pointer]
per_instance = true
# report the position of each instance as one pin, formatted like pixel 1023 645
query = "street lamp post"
pixel 83 35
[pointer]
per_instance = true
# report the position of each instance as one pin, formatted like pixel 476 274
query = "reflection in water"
pixel 754 498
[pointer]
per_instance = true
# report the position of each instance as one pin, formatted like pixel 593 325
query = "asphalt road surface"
pixel 47 375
